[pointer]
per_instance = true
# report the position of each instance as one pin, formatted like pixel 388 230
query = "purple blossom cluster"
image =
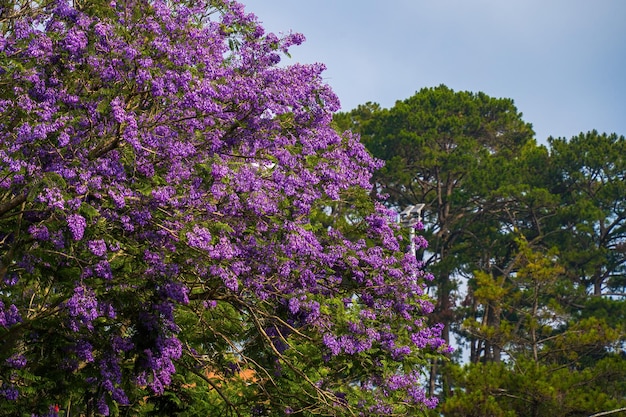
pixel 9 316
pixel 82 308
pixel 168 164
pixel 76 224
pixel 9 392
pixel 39 232
pixel 97 247
pixel 17 361
pixel 409 382
pixel 160 362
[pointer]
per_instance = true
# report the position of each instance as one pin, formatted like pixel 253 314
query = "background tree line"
pixel 527 243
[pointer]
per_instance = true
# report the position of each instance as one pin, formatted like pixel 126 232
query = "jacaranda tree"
pixel 181 227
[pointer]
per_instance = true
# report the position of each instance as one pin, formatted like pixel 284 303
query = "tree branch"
pixel 102 149
pixel 11 204
pixel 605 413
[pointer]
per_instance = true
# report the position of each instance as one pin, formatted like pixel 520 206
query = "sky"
pixel 563 62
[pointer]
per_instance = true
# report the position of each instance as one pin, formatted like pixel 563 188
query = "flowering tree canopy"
pixel 179 222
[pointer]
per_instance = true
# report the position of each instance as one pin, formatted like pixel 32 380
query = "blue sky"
pixel 563 62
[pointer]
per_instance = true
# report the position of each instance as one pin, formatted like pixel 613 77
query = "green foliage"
pixel 590 180
pixel 527 389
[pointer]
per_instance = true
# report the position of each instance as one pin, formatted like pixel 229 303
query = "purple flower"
pixel 17 361
pixel 164 194
pixel 9 392
pixel 52 197
pixel 82 307
pixel 97 247
pixel 199 238
pixel 58 239
pixel 76 41
pixel 294 305
pixel 400 353
pixel 121 344
pixel 64 139
pixel 9 317
pixel 119 396
pixel 331 343
pixel 76 224
pixel 84 351
pixel 170 347
pixel 39 232
pixel 103 270
pixel 40 47
pixel 177 291
pixel 11 279
pixel 127 224
pixel 103 407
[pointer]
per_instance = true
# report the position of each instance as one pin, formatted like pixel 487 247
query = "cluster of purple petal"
pixel 16 361
pixel 9 316
pixel 9 392
pixel 83 308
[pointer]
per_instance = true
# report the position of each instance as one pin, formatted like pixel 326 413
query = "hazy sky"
pixel 563 62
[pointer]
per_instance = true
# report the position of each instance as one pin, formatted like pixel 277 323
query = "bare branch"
pixel 606 413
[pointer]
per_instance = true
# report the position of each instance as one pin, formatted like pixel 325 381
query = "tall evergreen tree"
pixel 441 148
